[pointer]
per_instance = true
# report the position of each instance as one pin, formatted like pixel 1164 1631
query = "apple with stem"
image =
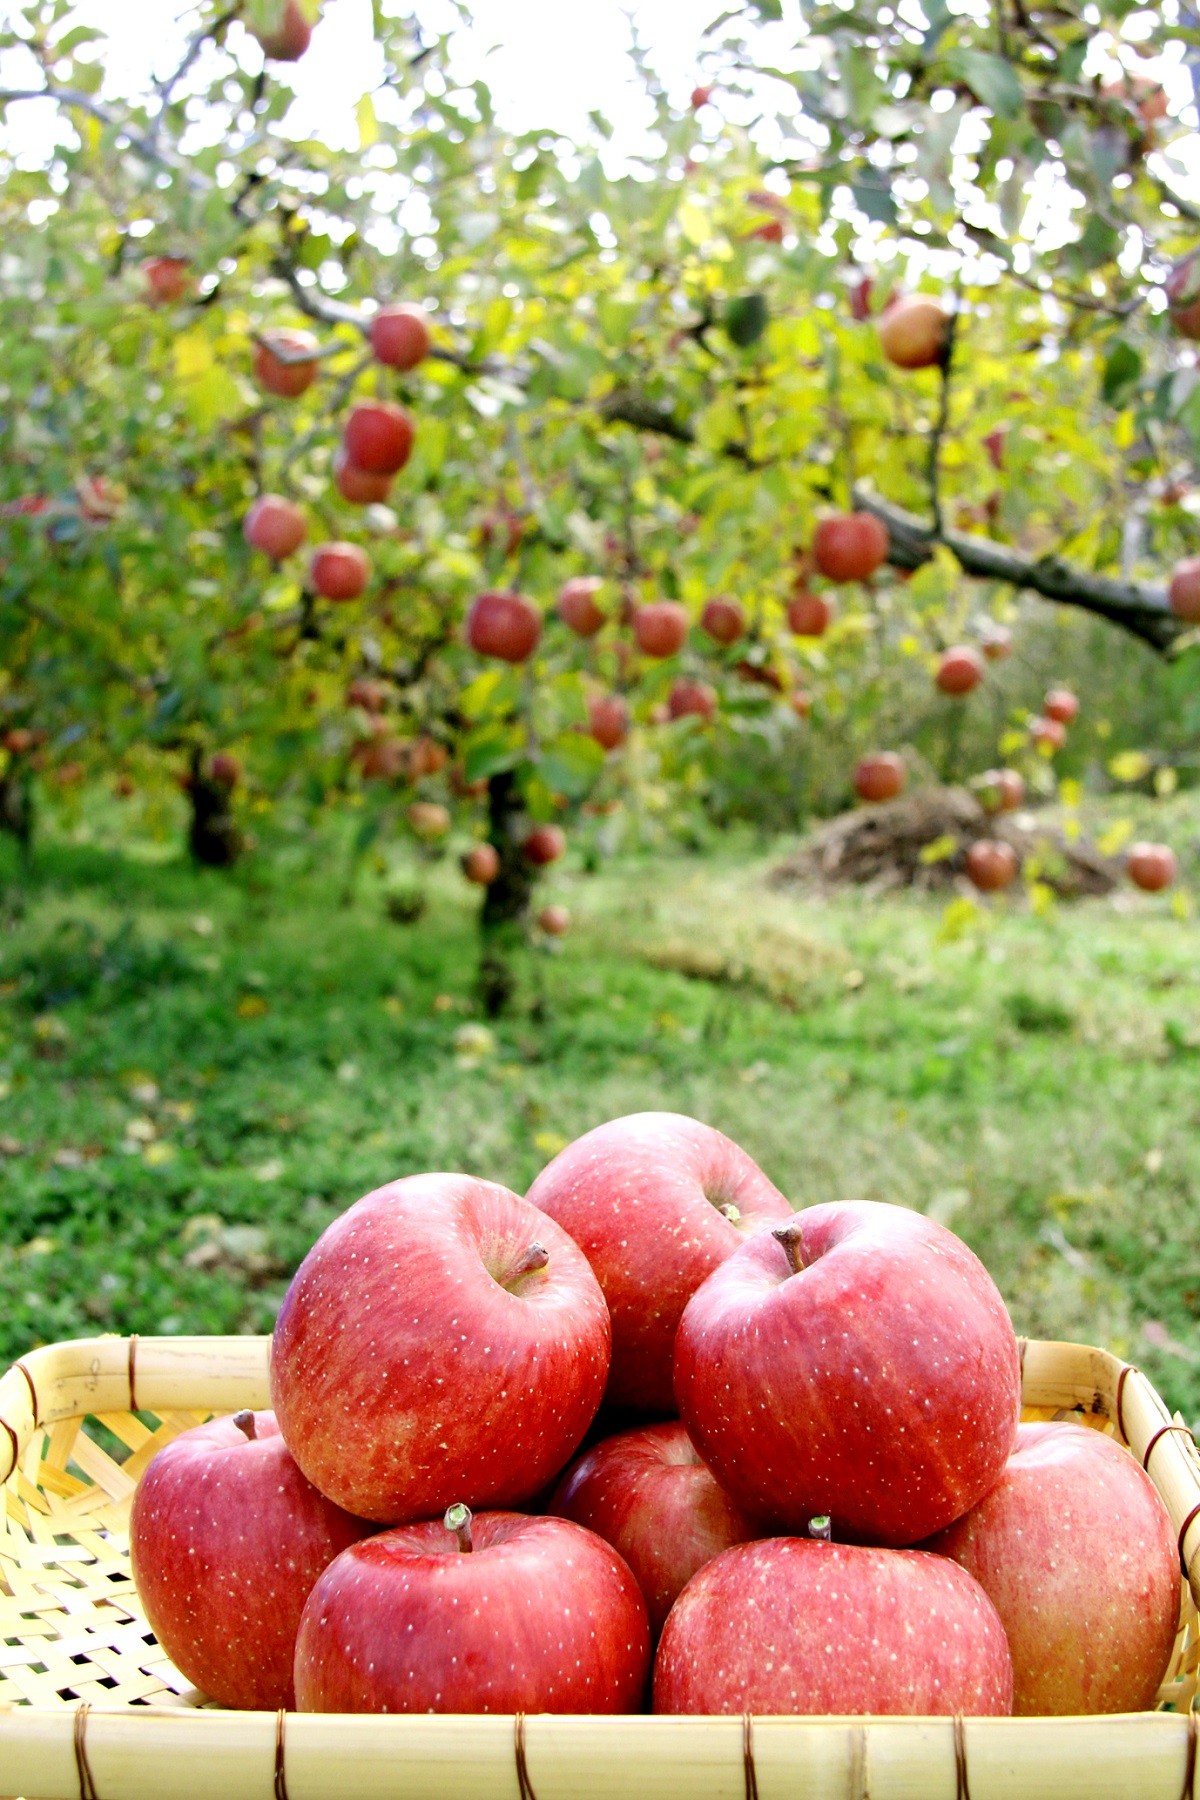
pixel 227 1539
pixel 796 1625
pixel 1076 1551
pixel 656 1201
pixel 443 1338
pixel 492 1613
pixel 830 1365
pixel 649 1494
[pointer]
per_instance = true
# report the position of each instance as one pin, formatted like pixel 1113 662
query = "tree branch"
pixel 137 140
pixel 1137 607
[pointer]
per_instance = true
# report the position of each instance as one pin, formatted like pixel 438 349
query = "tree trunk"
pixel 16 806
pixel 214 837
pixel 506 900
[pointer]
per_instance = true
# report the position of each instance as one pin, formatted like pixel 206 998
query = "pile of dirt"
pixel 921 840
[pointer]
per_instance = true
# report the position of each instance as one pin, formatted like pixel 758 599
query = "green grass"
pixel 200 1072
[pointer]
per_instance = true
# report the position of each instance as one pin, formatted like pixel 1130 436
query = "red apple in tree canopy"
pixel 992 865
pixel 400 336
pixel 544 844
pixel 856 1362
pixel 850 546
pixel 860 299
pixel 288 36
pixel 656 1201
pixel 648 1494
pixel 275 526
pixel 608 720
pixel 1048 734
pixel 282 374
pixel 1061 704
pixel 1077 1553
pixel 723 620
pixel 810 615
pixel 1151 867
pixel 960 670
pixel 913 332
pixel 339 571
pixel 800 702
pixel 225 769
pixel 500 1613
pixel 168 279
pixel 378 437
pixel 700 97
pixel 481 864
pixel 1000 790
pixel 790 1625
pixel 504 625
pixel 577 605
pixel 691 699
pixel 880 777
pixel 227 1538
pixel 355 485
pixel 426 819
pixel 1184 591
pixel 441 1339
pixel 661 627
pixel 1183 296
pixel 555 921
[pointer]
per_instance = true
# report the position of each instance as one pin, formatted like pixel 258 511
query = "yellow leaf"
pixel 1130 765
pixel 251 1006
pixel 940 850
pixel 957 919
pixel 1041 898
pixel 368 124
pixel 1181 904
pixel 1114 840
pixel 1165 782
pixel 1070 791
pixel 193 355
pixel 549 1142
pixel 158 1154
pixel 694 223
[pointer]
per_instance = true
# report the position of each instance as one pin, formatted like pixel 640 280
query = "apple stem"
pixel 245 1422
pixel 730 1212
pixel 791 1236
pixel 535 1258
pixel 821 1527
pixel 458 1520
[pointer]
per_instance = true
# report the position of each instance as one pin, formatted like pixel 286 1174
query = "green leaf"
pixel 368 124
pixel 1122 368
pixel 571 763
pixel 491 749
pixel 746 318
pixel 875 199
pixel 993 81
pixel 1071 60
pixel 495 691
pixel 768 9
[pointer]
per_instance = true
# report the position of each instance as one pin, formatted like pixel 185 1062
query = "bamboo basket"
pixel 90 1707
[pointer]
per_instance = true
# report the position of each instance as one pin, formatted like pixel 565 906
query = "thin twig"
pixel 137 140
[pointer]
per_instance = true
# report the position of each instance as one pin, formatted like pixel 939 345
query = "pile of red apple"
pixel 804 1481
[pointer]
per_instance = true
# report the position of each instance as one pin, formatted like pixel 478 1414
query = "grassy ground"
pixel 198 1072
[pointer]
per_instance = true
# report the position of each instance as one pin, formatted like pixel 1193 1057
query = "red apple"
pixel 502 525
pixel 913 332
pixel 1151 867
pixel 227 1538
pixel 504 625
pixel 959 670
pixel 370 695
pixel 996 642
pixel 168 279
pixel 993 443
pixel 400 336
pixel 1000 790
pixel 1183 297
pixel 378 437
pixel 225 769
pixel 555 921
pixel 992 865
pixel 860 298
pixel 770 231
pixel 288 36
pixel 880 777
pixel 426 757
pixel 426 819
pixel 544 844
pixel 1184 591
pixel 1077 1553
pixel 850 546
pixel 356 485
pixel 656 1202
pixel 800 702
pixel 700 97
pixel 577 605
pixel 723 620
pixel 339 571
pixel 442 1338
pixel 661 627
pixel 275 526
pixel 790 1625
pixel 19 741
pixel 500 1613
pixel 481 864
pixel 1048 734
pixel 648 1494
pixel 381 757
pixel 691 699
pixel 1061 704
pixel 279 373
pixel 830 1365
pixel 810 615
pixel 608 720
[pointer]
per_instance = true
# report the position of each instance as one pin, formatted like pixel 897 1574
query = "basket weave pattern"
pixel 80 1422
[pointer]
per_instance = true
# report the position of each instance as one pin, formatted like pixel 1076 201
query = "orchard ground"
pixel 198 1071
